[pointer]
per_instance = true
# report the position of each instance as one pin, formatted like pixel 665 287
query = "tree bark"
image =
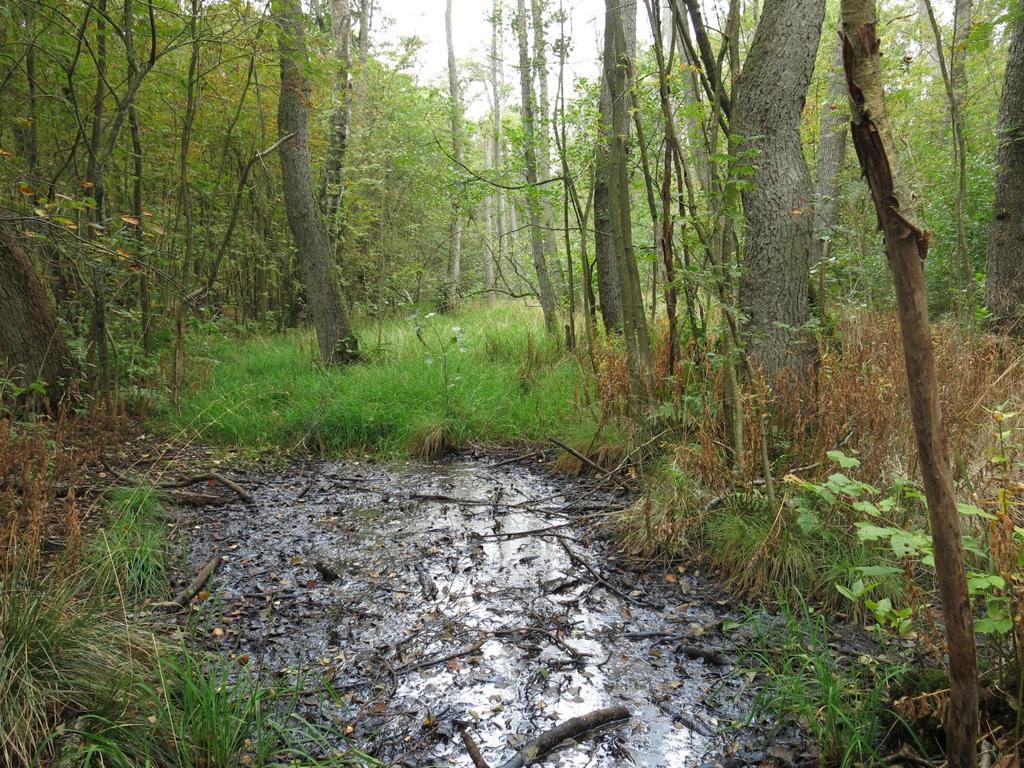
pixel 617 63
pixel 906 246
pixel 334 334
pixel 963 20
pixel 1004 281
pixel 455 224
pixel 832 129
pixel 497 252
pixel 609 288
pixel 766 113
pixel 334 170
pixel 31 345
pixel 547 299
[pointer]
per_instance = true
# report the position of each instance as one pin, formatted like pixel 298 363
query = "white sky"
pixel 395 19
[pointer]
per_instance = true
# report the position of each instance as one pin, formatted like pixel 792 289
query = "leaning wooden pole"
pixel 906 245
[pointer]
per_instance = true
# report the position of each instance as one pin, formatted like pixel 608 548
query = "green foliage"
pixel 264 393
pixel 128 556
pixel 839 701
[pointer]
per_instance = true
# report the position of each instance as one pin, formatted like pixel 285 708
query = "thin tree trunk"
pixel 1004 281
pixel 455 224
pixel 906 246
pixel 498 252
pixel 778 199
pixel 617 64
pixel 547 298
pixel 832 129
pixel 334 334
pixel 334 170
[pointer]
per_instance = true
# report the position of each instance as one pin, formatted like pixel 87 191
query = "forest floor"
pixel 414 600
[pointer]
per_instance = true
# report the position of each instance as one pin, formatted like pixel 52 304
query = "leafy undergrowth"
pixel 424 385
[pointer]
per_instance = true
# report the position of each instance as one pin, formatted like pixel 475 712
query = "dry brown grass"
pixel 430 443
pixel 859 387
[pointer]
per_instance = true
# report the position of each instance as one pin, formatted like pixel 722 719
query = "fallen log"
pixel 215 477
pixel 194 498
pixel 533 750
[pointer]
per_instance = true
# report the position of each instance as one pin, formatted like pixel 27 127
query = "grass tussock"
pixel 430 442
pixel 487 374
pixel 128 556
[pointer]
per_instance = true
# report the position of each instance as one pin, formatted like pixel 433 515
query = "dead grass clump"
pixel 431 443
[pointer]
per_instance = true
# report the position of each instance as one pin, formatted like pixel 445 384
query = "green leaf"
pixel 844 461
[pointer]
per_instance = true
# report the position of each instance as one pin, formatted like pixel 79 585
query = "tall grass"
pixel 487 374
pixel 128 556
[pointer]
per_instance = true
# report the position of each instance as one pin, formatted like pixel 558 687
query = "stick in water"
pixel 547 741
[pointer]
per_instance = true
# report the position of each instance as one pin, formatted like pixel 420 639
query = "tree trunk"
pixel 334 335
pixel 455 225
pixel 497 252
pixel 766 113
pixel 1004 282
pixel 334 171
pixel 547 298
pixel 906 246
pixel 31 345
pixel 963 19
pixel 617 63
pixel 609 288
pixel 540 67
pixel 832 129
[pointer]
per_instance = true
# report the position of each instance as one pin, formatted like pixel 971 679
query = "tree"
pixel 609 288
pixel 496 253
pixel 31 345
pixel 1004 282
pixel 906 245
pixel 455 226
pixel 334 170
pixel 832 129
pixel 777 201
pixel 334 335
pixel 547 298
pixel 617 63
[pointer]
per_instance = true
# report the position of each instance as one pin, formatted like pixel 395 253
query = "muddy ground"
pixel 416 600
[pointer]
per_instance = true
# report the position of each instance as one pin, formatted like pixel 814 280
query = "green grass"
pixel 128 556
pixel 840 702
pixel 60 656
pixel 497 379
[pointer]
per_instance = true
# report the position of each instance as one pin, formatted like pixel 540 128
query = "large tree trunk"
pixel 455 224
pixel 766 113
pixel 334 335
pixel 617 63
pixel 1004 282
pixel 547 298
pixel 832 129
pixel 31 345
pixel 609 288
pixel 906 246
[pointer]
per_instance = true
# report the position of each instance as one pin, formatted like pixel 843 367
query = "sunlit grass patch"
pixel 487 374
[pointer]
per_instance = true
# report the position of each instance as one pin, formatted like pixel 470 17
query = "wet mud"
pixel 417 600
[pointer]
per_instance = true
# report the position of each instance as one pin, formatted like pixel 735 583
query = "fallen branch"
pixel 473 750
pixel 444 659
pixel 570 729
pixel 182 598
pixel 585 459
pixel 195 498
pixel 243 494
pixel 601 579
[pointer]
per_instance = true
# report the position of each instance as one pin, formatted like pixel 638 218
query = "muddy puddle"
pixel 415 600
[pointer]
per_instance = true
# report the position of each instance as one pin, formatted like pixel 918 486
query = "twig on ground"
pixel 184 596
pixel 582 457
pixel 239 491
pixel 601 579
pixel 549 740
pixel 427 663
